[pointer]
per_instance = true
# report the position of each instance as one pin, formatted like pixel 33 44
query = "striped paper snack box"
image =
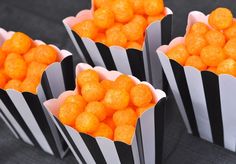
pixel 147 142
pixel 206 101
pixel 25 115
pixel 129 61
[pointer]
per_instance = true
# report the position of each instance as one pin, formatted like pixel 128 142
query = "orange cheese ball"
pixel 212 69
pixel 141 110
pixel 101 38
pixel 6 46
pixel 104 17
pixel 109 111
pixel 138 6
pixel 29 85
pixel 124 82
pixel 20 43
pixel 68 113
pixel 15 68
pixel 103 130
pixel 220 18
pixel 35 70
pixel 78 99
pixel 134 45
pixel 3 56
pixel 195 43
pixel 29 56
pixel 86 29
pixel 196 61
pixel 3 80
pixel 45 54
pixel 230 32
pixel 12 56
pixel 87 76
pixel 216 38
pixel 93 91
pixel 116 38
pixel 124 133
pixel 178 53
pixel 228 66
pixel 212 55
pixel 199 28
pixel 86 122
pixel 125 117
pixel 101 3
pixel 107 84
pixel 153 7
pixel 116 99
pixel 133 31
pixel 123 10
pixel 13 84
pixel 97 108
pixel 230 48
pixel 140 20
pixel 152 19
pixel 109 121
pixel 141 95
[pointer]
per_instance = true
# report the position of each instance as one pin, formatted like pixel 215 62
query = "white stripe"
pixel 147 124
pixel 15 123
pixel 171 79
pixel 78 141
pixel 93 52
pixel 135 151
pixel 108 150
pixel 196 90
pixel 55 79
pixel 25 112
pixel 228 106
pixel 121 60
pixel 9 126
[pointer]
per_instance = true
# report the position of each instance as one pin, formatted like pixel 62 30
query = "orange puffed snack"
pixel 68 113
pixel 103 130
pixel 45 54
pixel 124 133
pixel 230 48
pixel 92 91
pixel 3 80
pixel 195 43
pixel 35 70
pixel 78 99
pixel 86 122
pixel 125 117
pixel 124 82
pixel 199 28
pixel 141 95
pixel 133 31
pixel 3 56
pixel 123 10
pixel 153 7
pixel 109 121
pixel 87 76
pixel 141 110
pixel 101 3
pixel 86 29
pixel 107 84
pixel 178 53
pixel 97 108
pixel 215 37
pixel 140 20
pixel 29 85
pixel 134 45
pixel 221 18
pixel 138 6
pixel 13 84
pixel 227 66
pixel 151 19
pixel 20 43
pixel 116 38
pixel 104 17
pixel 30 55
pixel 230 32
pixel 196 61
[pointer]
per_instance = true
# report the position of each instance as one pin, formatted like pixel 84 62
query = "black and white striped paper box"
pixel 25 115
pixel 129 61
pixel 206 101
pixel 147 143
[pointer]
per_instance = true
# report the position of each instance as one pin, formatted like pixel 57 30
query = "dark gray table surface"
pixel 42 19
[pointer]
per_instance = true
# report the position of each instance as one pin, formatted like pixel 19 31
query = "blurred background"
pixel 42 19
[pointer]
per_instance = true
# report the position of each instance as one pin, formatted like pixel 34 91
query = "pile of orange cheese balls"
pixel 106 108
pixel 121 22
pixel 209 47
pixel 22 63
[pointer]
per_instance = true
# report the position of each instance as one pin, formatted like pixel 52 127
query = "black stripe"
pixel 37 110
pixel 68 73
pixel 124 152
pixel 136 63
pixel 14 112
pixel 212 95
pixel 83 49
pixel 159 129
pixel 70 140
pixel 46 87
pixel 185 95
pixel 166 29
pixel 138 135
pixel 93 148
pixel 10 124
pixel 106 56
